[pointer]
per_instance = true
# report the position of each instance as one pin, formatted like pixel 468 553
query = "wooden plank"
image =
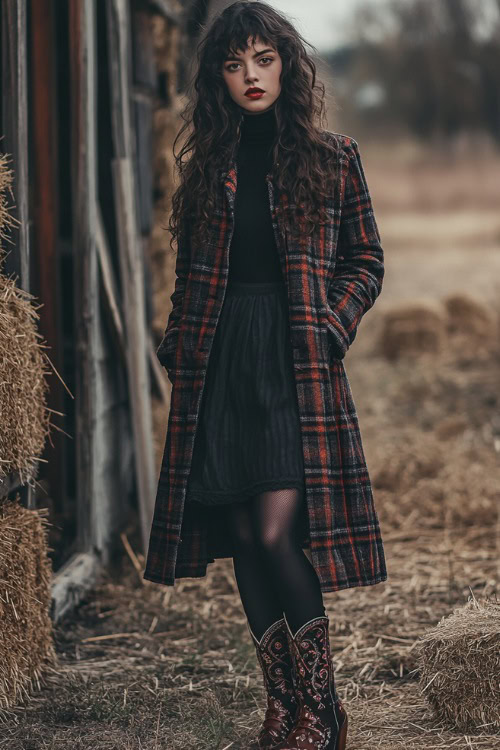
pixel 14 132
pixel 144 76
pixel 143 119
pixel 44 184
pixel 144 68
pixel 72 581
pixel 14 129
pixel 138 373
pixel 103 448
pixel 130 259
pixel 111 303
pixel 84 156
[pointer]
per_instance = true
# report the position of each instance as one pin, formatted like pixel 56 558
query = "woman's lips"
pixel 255 94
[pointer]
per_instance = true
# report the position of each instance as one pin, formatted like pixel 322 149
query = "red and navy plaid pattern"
pixel 333 277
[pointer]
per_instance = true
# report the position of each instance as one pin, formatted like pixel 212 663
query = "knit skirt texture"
pixel 248 437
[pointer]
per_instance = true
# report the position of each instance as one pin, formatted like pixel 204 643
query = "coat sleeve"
pixel 359 270
pixel 167 348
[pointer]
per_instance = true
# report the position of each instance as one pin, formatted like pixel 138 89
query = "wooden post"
pixel 14 129
pixel 130 259
pixel 14 141
pixel 45 212
pixel 84 158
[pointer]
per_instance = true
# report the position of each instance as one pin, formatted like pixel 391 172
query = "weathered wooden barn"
pixel 82 85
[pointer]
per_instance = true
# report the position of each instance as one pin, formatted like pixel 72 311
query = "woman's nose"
pixel 251 75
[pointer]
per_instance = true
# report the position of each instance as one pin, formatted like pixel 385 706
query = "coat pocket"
pixel 337 338
pixel 181 349
pixel 166 352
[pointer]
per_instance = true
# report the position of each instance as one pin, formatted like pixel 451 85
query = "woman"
pixel 279 257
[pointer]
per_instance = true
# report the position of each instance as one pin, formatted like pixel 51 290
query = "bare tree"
pixel 437 61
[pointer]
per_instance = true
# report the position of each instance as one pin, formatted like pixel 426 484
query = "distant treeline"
pixel 431 67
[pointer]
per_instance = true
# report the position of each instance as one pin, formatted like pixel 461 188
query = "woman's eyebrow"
pixel 256 54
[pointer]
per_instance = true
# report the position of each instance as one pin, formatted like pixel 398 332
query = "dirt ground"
pixel 147 667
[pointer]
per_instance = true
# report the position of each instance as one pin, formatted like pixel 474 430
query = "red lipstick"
pixel 254 93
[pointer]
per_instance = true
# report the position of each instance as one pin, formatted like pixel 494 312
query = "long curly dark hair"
pixel 212 121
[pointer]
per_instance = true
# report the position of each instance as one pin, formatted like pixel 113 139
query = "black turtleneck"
pixel 253 256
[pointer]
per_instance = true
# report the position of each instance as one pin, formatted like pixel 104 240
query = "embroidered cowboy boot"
pixel 321 718
pixel 275 661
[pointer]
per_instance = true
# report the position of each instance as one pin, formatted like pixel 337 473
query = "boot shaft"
pixel 321 722
pixel 275 659
pixel 312 662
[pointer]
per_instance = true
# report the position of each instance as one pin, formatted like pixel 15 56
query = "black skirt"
pixel 248 437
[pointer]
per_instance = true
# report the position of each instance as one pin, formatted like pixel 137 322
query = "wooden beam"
pixel 111 303
pixel 84 169
pixel 130 259
pixel 112 308
pixel 44 185
pixel 14 129
pixel 14 132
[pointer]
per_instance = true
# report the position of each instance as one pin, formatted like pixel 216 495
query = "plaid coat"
pixel 333 277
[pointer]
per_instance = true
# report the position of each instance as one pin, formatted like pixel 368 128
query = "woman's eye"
pixel 231 66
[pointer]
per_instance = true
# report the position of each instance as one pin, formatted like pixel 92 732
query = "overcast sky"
pixel 323 22
pixel 320 22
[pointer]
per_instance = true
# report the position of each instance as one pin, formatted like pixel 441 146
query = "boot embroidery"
pixel 317 725
pixel 275 661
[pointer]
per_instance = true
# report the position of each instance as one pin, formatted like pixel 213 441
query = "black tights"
pixel 273 574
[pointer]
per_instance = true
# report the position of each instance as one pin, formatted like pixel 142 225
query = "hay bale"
pixel 422 479
pixel 468 316
pixel 450 427
pixel 23 386
pixel 26 642
pixel 6 177
pixel 414 457
pixel 411 329
pixel 459 663
pixel 472 328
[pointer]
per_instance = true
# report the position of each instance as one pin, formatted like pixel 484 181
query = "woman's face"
pixel 259 66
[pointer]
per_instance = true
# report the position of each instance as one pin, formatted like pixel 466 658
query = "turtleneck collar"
pixel 259 128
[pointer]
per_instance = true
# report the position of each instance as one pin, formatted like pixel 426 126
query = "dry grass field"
pixel 439 218
pixel 146 667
